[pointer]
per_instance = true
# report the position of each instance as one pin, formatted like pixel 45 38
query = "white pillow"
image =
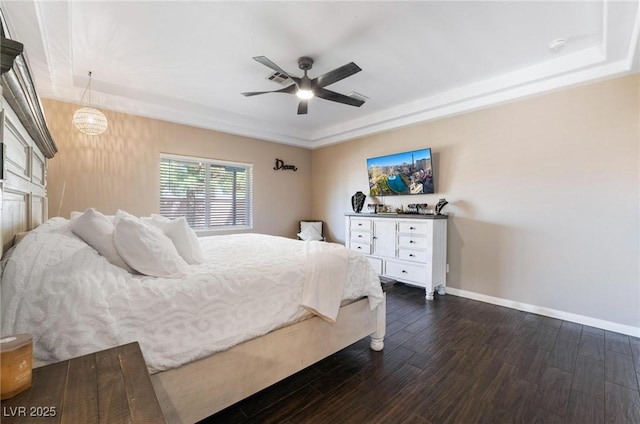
pixel 75 214
pixel 183 237
pixel 96 230
pixel 146 249
pixel 310 231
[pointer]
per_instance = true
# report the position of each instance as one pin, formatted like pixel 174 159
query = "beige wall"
pixel 544 196
pixel 544 193
pixel 120 168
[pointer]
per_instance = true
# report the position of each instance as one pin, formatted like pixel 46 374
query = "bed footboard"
pixel 199 389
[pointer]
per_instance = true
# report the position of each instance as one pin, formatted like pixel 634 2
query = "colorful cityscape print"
pixel 401 173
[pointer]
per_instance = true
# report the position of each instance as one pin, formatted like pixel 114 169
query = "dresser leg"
pixel 441 290
pixel 429 294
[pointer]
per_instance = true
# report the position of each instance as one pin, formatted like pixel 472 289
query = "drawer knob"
pixel 411 255
pixel 359 225
pixel 411 241
pixel 412 228
pixel 404 272
pixel 359 247
pixel 360 235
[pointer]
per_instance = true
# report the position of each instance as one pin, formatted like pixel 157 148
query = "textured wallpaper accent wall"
pixel 120 168
pixel 544 196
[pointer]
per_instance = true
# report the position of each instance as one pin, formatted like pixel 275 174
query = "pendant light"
pixel 87 119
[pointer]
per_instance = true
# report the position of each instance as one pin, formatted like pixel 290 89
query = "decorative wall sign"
pixel 281 165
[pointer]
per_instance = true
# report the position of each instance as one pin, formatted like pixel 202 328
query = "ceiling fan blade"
pixel 302 107
pixel 323 93
pixel 255 93
pixel 269 64
pixel 289 90
pixel 336 75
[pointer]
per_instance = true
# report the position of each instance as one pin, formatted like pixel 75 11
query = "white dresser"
pixel 408 248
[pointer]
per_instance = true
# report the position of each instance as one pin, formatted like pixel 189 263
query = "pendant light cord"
pixel 88 88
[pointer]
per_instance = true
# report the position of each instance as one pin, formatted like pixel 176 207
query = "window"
pixel 211 194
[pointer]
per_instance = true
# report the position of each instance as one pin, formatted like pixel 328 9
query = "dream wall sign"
pixel 280 165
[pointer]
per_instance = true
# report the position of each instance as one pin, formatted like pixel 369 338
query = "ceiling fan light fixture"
pixel 306 88
pixel 87 119
pixel 304 94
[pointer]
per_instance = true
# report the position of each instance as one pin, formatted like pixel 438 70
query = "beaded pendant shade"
pixel 87 119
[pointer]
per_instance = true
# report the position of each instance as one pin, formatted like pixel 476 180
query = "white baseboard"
pixel 553 313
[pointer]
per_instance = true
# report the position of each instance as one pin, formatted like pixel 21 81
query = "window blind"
pixel 211 194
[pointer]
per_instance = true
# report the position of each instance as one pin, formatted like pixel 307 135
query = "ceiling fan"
pixel 306 88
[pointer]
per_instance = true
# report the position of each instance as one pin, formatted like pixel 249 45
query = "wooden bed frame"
pixel 199 389
pixel 196 390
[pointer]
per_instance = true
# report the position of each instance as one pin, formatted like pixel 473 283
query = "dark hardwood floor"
pixel 456 360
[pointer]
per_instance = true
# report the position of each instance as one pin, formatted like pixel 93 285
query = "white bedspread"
pixel 74 302
pixel 326 271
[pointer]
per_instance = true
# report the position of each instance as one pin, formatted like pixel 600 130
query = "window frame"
pixel 216 162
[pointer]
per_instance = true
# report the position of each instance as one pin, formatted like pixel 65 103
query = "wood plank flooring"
pixel 455 360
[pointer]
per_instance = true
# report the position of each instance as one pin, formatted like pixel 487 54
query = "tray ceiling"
pixel 188 62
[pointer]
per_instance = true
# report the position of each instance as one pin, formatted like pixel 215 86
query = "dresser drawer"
pixel 360 224
pixel 360 236
pixel 413 255
pixel 404 271
pixel 413 227
pixel 413 241
pixel 364 248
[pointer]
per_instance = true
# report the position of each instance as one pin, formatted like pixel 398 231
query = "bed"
pixel 233 325
pixel 213 377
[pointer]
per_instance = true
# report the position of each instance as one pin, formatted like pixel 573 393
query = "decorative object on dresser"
pixel 410 249
pixel 441 204
pixel 357 201
pixel 417 208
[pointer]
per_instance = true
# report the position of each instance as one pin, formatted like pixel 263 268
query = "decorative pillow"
pixel 146 249
pixel 75 214
pixel 310 231
pixel 96 230
pixel 183 237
